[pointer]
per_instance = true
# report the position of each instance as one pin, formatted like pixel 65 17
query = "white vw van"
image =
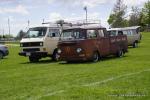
pixel 40 42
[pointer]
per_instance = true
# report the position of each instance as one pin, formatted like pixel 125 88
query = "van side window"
pixel 53 33
pixel 129 32
pixel 125 32
pixel 101 33
pixel 134 32
pixel 91 34
pixel 112 33
pixel 120 33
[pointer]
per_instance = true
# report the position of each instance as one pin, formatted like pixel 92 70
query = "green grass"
pixel 126 78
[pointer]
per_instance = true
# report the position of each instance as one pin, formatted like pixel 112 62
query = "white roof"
pixel 125 28
pixel 86 27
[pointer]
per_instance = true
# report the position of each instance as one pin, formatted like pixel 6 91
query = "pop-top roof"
pixel 125 28
pixel 86 27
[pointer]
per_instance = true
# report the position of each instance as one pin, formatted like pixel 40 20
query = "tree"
pixel 135 18
pixel 146 13
pixel 21 34
pixel 117 18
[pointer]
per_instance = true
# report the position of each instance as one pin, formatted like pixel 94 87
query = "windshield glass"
pixel 72 34
pixel 112 33
pixel 36 32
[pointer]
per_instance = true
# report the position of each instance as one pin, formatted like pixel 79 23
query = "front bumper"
pixel 74 58
pixel 35 54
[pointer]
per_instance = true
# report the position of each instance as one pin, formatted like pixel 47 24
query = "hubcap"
pixel 95 57
pixel 57 56
pixel 120 53
pixel 136 45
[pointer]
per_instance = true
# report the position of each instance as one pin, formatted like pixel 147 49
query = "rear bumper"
pixel 35 54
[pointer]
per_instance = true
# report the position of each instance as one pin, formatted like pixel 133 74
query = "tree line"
pixel 137 17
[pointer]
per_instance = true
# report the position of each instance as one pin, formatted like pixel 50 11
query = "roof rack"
pixel 62 23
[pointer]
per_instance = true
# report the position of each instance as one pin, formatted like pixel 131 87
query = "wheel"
pixel 1 55
pixel 95 57
pixel 120 53
pixel 135 45
pixel 33 59
pixel 55 56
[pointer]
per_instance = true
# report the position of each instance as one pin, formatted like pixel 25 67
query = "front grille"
pixel 31 50
pixel 31 44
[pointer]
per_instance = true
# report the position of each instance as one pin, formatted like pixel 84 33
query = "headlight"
pixel 59 51
pixel 21 45
pixel 41 44
pixel 79 50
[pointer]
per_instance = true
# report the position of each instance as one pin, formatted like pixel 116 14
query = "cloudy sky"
pixel 20 11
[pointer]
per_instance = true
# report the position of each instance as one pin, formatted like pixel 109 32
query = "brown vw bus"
pixel 90 43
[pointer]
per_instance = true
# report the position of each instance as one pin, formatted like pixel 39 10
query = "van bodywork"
pixel 90 43
pixel 3 51
pixel 40 42
pixel 133 34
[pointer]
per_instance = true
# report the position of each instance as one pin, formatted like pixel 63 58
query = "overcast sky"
pixel 20 11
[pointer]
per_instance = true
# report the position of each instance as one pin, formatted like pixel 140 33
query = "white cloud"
pixel 20 9
pixel 89 3
pixel 11 19
pixel 135 2
pixel 94 3
pixel 73 17
pixel 55 16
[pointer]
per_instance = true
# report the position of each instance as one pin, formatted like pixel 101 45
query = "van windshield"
pixel 72 34
pixel 36 32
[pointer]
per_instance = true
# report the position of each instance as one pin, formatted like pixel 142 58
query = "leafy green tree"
pixel 21 34
pixel 117 17
pixel 135 18
pixel 146 13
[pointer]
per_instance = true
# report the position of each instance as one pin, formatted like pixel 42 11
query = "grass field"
pixel 126 78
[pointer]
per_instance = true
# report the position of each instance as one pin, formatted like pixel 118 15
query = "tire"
pixel 55 56
pixel 1 55
pixel 135 45
pixel 120 53
pixel 95 57
pixel 33 59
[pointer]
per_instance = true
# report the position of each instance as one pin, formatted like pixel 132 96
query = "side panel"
pixel 50 43
pixel 117 43
pixel 104 46
pixel 90 46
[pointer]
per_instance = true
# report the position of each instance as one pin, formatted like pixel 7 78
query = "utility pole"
pixel 3 32
pixel 28 24
pixel 9 26
pixel 43 20
pixel 85 8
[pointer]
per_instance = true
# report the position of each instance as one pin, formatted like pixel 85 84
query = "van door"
pixel 104 44
pixel 51 40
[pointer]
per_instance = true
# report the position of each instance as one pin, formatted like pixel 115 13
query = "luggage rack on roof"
pixel 62 23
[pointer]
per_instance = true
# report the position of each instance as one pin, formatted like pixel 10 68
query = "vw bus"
pixel 40 42
pixel 133 34
pixel 90 42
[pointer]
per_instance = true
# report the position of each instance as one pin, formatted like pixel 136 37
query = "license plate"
pixel 28 54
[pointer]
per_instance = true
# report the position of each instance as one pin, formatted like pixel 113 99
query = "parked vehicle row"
pixel 3 51
pixel 133 34
pixel 90 43
pixel 73 43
